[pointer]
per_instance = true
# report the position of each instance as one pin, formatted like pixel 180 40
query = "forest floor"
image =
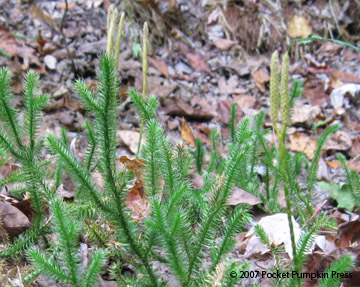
pixel 203 57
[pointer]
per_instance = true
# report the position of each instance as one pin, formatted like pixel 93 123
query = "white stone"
pixel 50 62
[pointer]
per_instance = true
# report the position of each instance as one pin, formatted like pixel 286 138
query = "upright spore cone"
pixel 274 87
pixel 284 92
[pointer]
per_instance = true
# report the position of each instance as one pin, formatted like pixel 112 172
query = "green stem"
pixel 282 152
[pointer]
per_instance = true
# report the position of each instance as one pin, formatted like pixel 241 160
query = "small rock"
pixel 50 62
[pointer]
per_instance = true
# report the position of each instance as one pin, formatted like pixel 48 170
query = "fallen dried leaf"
pixel 261 77
pixel 136 199
pixel 355 163
pixel 160 65
pixel 129 139
pixel 304 114
pixel 334 163
pixel 245 101
pixel 224 44
pixel 41 15
pixel 355 147
pixel 177 107
pixel 135 165
pixel 187 133
pixel 8 41
pixel 348 234
pixel 338 141
pixel 13 220
pixel 241 196
pixel 277 229
pixel 298 27
pixel 71 5
pixel 301 142
pixel 198 62
pixel 230 86
pixel 314 91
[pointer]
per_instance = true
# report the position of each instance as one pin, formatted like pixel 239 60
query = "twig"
pixel 64 38
pixel 315 213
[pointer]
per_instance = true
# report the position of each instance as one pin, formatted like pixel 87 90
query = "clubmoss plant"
pixel 22 143
pixel 289 167
pixel 66 268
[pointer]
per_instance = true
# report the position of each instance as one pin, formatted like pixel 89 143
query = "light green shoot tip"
pixel 111 23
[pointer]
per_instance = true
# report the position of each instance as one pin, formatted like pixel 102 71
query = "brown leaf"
pixel 355 147
pixel 177 107
pixel 160 65
pixel 334 163
pixel 137 202
pixel 129 139
pixel 314 91
pixel 135 165
pixel 196 180
pixel 8 41
pixel 348 234
pixel 71 5
pixel 25 207
pixel 163 91
pixel 41 15
pixel 304 114
pixel 187 133
pixel 29 57
pixel 301 142
pixel 223 111
pixel 298 27
pixel 343 76
pixel 198 62
pixel 245 101
pixel 261 77
pixel 224 44
pixel 241 196
pixel 355 163
pixel 338 141
pixel 229 86
pixel 14 221
pixel 136 199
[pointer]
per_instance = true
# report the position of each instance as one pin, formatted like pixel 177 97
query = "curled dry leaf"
pixel 129 139
pixel 348 234
pixel 304 114
pixel 13 220
pixel 301 142
pixel 261 77
pixel 161 66
pixel 136 200
pixel 224 44
pixel 177 107
pixel 187 133
pixel 339 141
pixel 135 165
pixel 241 196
